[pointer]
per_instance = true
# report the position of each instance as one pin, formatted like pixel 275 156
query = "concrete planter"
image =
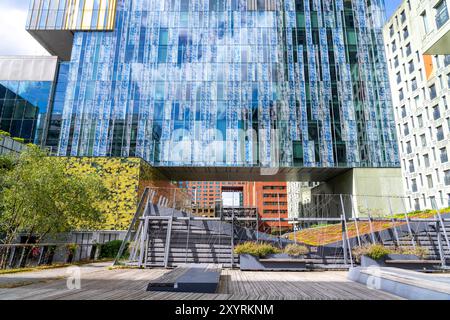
pixel 273 262
pixel 402 261
pixel 396 256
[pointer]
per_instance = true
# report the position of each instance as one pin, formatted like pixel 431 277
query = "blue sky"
pixel 14 40
pixel 391 5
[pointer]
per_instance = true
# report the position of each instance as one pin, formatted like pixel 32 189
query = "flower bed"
pixel 324 235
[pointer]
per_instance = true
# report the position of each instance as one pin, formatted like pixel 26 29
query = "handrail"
pixel 135 218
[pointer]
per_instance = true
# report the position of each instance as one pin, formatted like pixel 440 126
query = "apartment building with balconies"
pixel 420 87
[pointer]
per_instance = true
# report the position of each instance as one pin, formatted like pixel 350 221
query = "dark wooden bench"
pixel 194 278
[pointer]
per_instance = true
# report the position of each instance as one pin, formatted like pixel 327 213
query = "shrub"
pixel 72 248
pixel 256 249
pixel 4 133
pixel 373 251
pixel 111 248
pixel 21 140
pixel 421 252
pixel 296 250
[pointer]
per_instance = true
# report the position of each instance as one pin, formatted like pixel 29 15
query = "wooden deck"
pixel 121 284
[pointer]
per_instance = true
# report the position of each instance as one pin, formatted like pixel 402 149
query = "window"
pixel 413 84
pixel 426 28
pixel 414 185
pixel 408 50
pixel 430 181
pixel 408 147
pixel 411 66
pixel 423 140
pixel 403 16
pixel 401 96
pixel 399 77
pixel 440 133
pixel 447 60
pixel 447 177
pixel 416 204
pixel 426 159
pixel 403 111
pixel 436 112
pixel 411 166
pixel 405 129
pixel 441 13
pixel 432 90
pixel 405 33
pixel 444 156
pixel 420 121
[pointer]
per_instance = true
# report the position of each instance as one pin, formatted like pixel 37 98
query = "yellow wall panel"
pixel 87 14
pixel 76 18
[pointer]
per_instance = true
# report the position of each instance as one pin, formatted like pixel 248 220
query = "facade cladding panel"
pixel 291 83
pixel 71 15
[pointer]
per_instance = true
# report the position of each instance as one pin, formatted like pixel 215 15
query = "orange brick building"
pixel 270 198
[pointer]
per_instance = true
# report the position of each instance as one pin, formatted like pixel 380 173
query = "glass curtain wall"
pixel 234 83
pixel 23 108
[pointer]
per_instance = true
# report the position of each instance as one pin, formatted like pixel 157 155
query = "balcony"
pixel 437 42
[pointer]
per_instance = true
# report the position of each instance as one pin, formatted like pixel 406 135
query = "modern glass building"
pixel 248 83
pixel 26 85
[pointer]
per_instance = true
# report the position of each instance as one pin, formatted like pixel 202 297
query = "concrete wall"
pixel 374 191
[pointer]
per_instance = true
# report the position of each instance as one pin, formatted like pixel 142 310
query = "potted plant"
pixel 266 257
pixel 401 257
pixel 370 255
pixel 296 251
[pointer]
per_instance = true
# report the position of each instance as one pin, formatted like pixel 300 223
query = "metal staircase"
pixel 175 242
pixel 428 238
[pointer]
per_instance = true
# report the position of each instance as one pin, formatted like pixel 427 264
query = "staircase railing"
pixel 140 209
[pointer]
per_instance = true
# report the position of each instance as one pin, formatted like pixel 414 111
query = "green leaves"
pixel 40 198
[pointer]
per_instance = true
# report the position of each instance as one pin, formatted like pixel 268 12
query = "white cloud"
pixel 14 39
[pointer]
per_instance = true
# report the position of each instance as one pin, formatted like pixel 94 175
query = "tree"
pixel 38 197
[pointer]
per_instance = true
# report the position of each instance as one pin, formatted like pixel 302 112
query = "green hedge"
pixel 256 249
pixel 110 249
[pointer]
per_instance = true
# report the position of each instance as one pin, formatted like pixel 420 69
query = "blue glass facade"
pixel 292 83
pixel 24 108
pixel 55 117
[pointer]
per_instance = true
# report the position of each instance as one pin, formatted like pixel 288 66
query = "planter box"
pixel 402 261
pixel 275 262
